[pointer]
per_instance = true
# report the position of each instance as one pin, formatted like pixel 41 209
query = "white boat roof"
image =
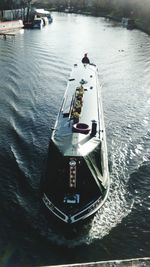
pixel 42 11
pixel 66 140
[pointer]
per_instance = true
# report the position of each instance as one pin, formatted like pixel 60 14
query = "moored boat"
pixel 38 19
pixel 10 25
pixel 128 23
pixel 76 182
pixel 42 13
pixel 37 23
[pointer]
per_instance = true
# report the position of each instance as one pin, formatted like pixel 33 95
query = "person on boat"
pixel 85 59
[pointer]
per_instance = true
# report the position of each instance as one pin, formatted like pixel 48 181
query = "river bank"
pixel 139 23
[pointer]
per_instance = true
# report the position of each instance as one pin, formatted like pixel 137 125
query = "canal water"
pixel 34 69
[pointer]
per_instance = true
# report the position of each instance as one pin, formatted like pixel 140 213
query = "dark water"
pixel 34 68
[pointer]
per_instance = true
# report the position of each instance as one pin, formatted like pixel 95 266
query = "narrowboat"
pixel 76 181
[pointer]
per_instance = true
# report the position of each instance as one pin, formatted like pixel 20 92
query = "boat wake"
pixel 109 216
pixel 126 160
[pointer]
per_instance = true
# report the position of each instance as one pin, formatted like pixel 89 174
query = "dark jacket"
pixel 85 60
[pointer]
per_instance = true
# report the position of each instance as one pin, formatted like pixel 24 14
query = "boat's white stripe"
pixel 98 204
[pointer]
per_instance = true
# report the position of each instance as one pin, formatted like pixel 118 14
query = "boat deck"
pixel 84 78
pixel 89 82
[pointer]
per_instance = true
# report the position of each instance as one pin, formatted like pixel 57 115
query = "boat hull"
pixel 84 215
